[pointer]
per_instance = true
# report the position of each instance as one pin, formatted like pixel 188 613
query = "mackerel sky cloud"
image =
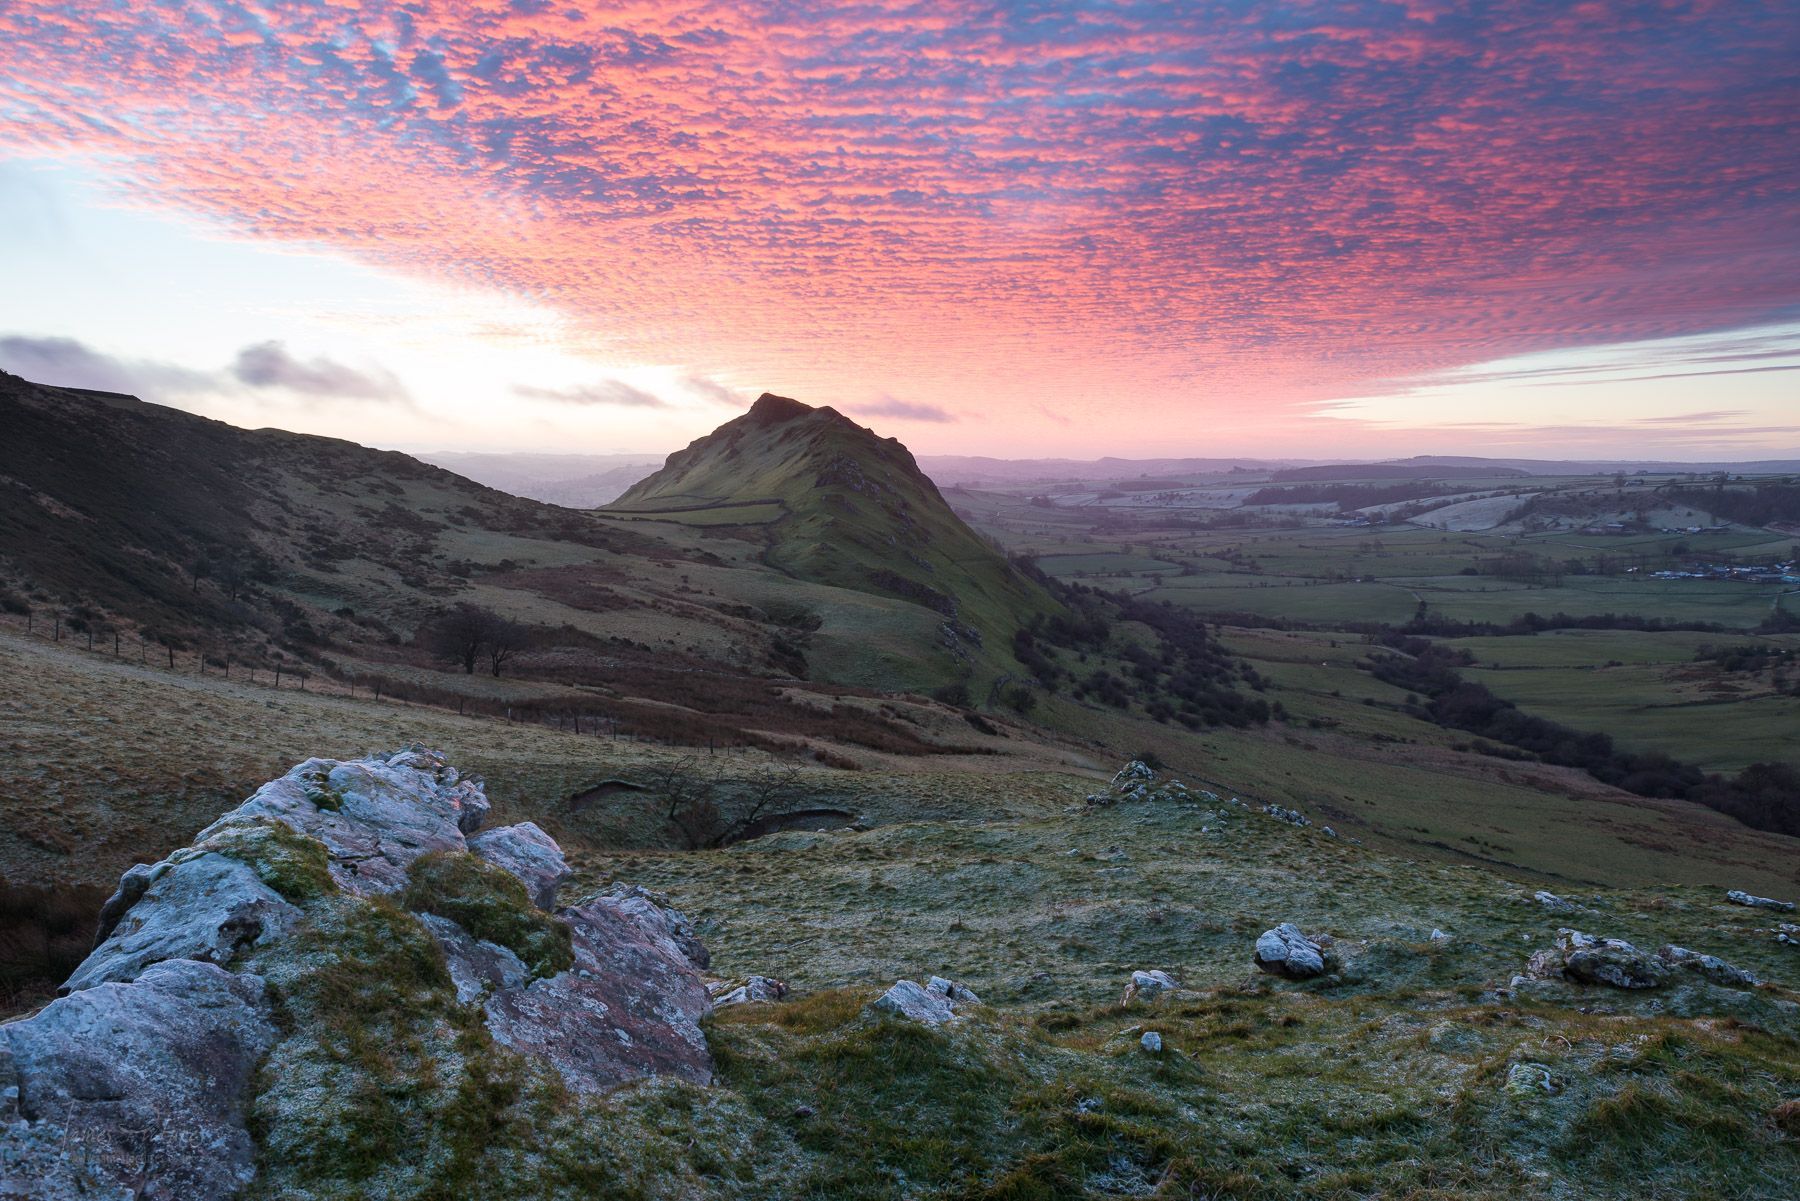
pixel 1152 219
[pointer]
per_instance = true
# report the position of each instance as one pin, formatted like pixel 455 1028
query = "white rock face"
pixel 528 853
pixel 203 907
pixel 1147 986
pixel 122 1081
pixel 1285 951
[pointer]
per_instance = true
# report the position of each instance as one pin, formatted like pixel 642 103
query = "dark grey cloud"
pixel 905 410
pixel 71 363
pixel 606 392
pixel 269 365
pixel 68 363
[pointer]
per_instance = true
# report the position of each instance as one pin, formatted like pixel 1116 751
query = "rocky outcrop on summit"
pixel 198 904
pixel 375 816
pixel 147 1065
pixel 528 853
pixel 629 1008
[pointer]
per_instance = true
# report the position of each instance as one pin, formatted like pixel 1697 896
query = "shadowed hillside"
pixel 169 519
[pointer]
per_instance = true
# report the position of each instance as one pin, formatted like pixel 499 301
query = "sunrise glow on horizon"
pixel 1301 230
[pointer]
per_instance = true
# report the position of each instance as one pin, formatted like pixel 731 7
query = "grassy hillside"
pixel 836 504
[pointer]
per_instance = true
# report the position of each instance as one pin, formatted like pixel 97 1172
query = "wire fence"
pixel 568 715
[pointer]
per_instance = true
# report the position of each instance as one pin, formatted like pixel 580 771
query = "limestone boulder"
pixel 134 1089
pixel 630 1007
pixel 1609 961
pixel 913 1001
pixel 205 907
pixel 528 853
pixel 1147 986
pixel 1286 952
pixel 750 990
pixel 1739 897
pixel 375 816
pixel 1709 966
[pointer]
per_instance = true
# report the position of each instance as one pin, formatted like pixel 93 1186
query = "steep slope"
pixel 851 509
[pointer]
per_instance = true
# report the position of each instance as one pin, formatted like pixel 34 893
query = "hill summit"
pixel 852 510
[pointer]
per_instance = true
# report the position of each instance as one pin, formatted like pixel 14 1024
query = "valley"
pixel 862 729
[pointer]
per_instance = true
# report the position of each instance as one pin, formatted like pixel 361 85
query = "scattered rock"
pixel 932 1004
pixel 1137 781
pixel 1438 935
pixel 952 991
pixel 1618 964
pixel 908 999
pixel 1292 817
pixel 1285 951
pixel 1710 966
pixel 750 990
pixel 1786 1117
pixel 1147 986
pixel 1590 960
pixel 1529 1080
pixel 134 1089
pixel 1151 1042
pixel 528 853
pixel 1739 897
pixel 1552 902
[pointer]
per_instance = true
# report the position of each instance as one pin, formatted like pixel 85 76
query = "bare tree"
pixel 459 634
pixel 504 639
pixel 711 810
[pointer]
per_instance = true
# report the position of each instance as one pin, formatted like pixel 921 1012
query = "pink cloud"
pixel 1167 209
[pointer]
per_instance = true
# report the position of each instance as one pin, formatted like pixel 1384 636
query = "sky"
pixel 1361 229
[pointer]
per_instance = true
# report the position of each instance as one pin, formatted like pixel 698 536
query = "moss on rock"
pixel 297 867
pixel 491 904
